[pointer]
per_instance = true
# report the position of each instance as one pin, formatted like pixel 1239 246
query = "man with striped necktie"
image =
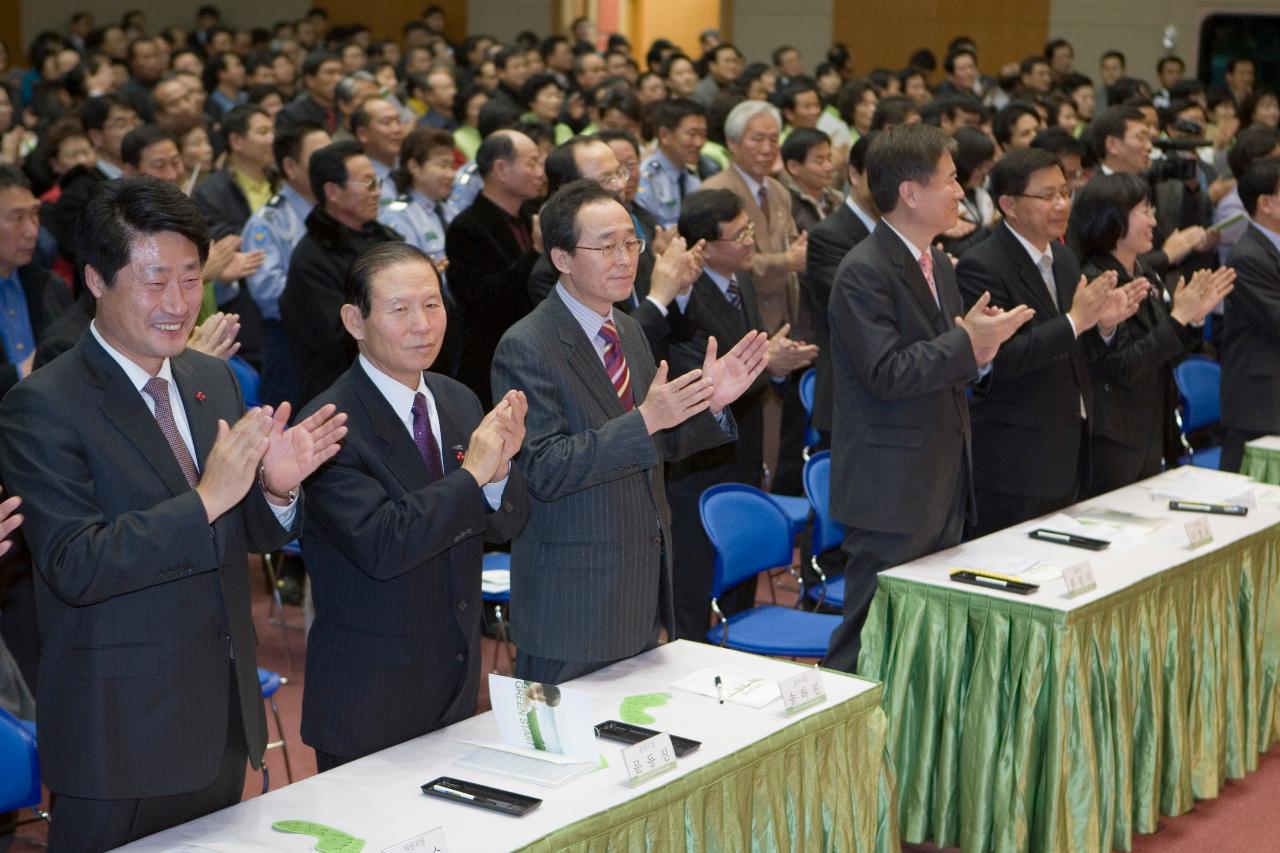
pixel 592 569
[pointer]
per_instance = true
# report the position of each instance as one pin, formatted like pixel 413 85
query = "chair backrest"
pixel 1198 380
pixel 749 531
pixel 808 382
pixel 20 780
pixel 248 379
pixel 827 532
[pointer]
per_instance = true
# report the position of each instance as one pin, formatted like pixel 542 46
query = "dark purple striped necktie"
pixel 158 390
pixel 615 364
pixel 425 439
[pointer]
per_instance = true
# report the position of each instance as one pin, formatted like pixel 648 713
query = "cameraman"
pixel 1183 185
pixel 1121 141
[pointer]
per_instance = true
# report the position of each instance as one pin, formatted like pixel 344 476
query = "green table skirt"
pixel 1015 727
pixel 1261 465
pixel 823 784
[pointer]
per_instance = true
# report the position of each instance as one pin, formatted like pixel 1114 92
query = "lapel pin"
pixel 458 452
pixel 200 396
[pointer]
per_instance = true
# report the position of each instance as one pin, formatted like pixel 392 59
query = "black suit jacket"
pixel 900 442
pixel 488 275
pixel 143 606
pixel 394 562
pixel 829 241
pixel 1251 359
pixel 1026 414
pixel 223 203
pixel 47 297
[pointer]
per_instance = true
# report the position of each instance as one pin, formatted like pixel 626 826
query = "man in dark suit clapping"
pixel 901 481
pixel 398 520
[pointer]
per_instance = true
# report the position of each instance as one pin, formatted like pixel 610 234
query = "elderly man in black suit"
pixel 492 247
pixel 398 520
pixel 1251 362
pixel 141 504
pixel 1030 416
pixel 592 569
pixel 901 481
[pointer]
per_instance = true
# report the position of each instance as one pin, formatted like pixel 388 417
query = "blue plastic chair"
pixel 250 381
pixel 498 561
pixel 808 386
pixel 20 779
pixel 1199 380
pixel 751 534
pixel 827 532
pixel 270 683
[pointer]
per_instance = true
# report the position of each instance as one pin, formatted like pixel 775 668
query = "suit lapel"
pixel 912 274
pixel 720 311
pixel 749 303
pixel 1035 292
pixel 399 453
pixel 203 423
pixel 582 357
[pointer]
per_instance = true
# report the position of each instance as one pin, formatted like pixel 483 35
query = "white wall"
pixel 1094 26
pixel 761 25
pixel 503 19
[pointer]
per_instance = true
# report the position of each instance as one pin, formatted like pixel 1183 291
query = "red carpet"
pixel 1239 821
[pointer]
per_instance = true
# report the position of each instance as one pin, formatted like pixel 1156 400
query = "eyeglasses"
pixel 610 250
pixel 1050 197
pixel 621 176
pixel 743 236
pixel 373 184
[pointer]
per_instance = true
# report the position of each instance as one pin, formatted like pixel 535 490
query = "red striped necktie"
pixel 615 364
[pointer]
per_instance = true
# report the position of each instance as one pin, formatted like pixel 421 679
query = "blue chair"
pixel 808 386
pixel 751 534
pixel 270 683
pixel 20 779
pixel 827 532
pixel 1198 380
pixel 250 381
pixel 498 594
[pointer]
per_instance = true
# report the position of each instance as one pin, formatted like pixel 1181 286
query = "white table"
pixel 378 798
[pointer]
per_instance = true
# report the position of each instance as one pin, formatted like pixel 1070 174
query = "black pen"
pixel 719 690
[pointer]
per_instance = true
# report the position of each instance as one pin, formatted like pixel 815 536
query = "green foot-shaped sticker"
pixel 634 708
pixel 330 840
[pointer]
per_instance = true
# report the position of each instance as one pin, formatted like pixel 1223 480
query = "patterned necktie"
pixel 926 267
pixel 158 390
pixel 762 195
pixel 1046 272
pixel 734 293
pixel 425 438
pixel 615 364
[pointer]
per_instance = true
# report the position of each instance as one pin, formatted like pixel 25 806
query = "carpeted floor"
pixel 1239 821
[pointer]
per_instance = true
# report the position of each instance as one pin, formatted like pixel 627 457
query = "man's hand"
pixel 1192 301
pixel 671 403
pixel 484 457
pixel 294 453
pixel 797 252
pixel 675 270
pixel 9 521
pixel 216 336
pixel 535 233
pixel 1090 300
pixel 1180 243
pixel 27 365
pixel 988 327
pixel 1122 303
pixel 509 417
pixel 733 373
pixel 233 462
pixel 1220 187
pixel 1209 241
pixel 662 238
pixel 786 355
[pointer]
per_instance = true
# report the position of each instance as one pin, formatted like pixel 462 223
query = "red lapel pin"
pixel 200 396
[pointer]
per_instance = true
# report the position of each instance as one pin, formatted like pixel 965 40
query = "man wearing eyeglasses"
pixel 341 226
pixel 1030 414
pixel 592 569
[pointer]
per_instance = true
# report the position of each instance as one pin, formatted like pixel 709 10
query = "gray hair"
pixel 346 88
pixel 740 116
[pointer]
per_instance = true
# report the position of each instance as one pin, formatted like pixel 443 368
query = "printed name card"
pixel 648 758
pixel 802 690
pixel 431 841
pixel 1079 579
pixel 1199 532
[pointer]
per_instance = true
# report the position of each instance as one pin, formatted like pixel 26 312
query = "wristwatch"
pixel 291 495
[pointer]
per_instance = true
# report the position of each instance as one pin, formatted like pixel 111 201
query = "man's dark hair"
pixel 236 120
pixel 609 96
pixel 1114 54
pixel 94 111
pixel 618 135
pixel 120 211
pixel 952 105
pixel 893 111
pixel 287 144
pixel 671 60
pixel 1074 81
pixel 12 176
pixel 786 99
pixel 416 148
pixel 858 153
pixel 713 55
pixel 1186 89
pixel 949 64
pixel 360 115
pixel 776 56
pixel 1252 144
pixel 1112 122
pixel 316 58
pixel 213 66
pixel 549 44
pixel 973 148
pixel 559 216
pixel 502 57
pixel 1160 64
pixel 261 91
pixel 1013 171
pixel 328 165
pixel 702 212
pixel 495 147
pixel 1054 44
pixel 497 114
pixel 1007 118
pixel 1031 62
pixel 799 142
pixel 1100 214
pixel 669 113
pixel 1060 141
pixel 907 152
pixel 562 166
pixel 1125 88
pixel 357 284
pixel 536 83
pixel 1236 60
pixel 923 60
pixel 140 139
pixel 1262 178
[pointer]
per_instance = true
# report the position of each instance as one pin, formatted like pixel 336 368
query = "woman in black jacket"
pixel 1132 372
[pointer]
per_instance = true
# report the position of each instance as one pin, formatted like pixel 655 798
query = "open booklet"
pixel 735 687
pixel 546 732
